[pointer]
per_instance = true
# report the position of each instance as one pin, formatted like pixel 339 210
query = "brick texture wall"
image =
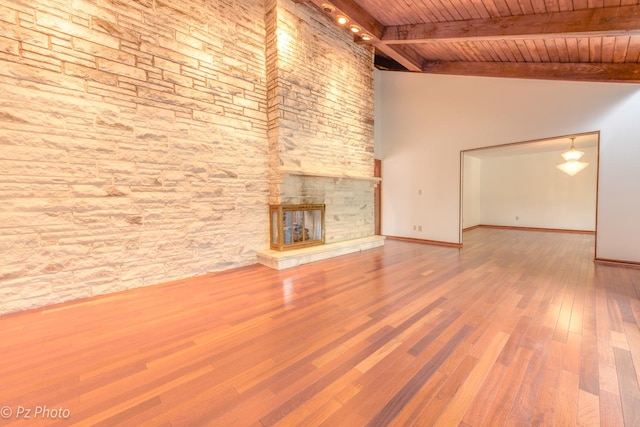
pixel 136 137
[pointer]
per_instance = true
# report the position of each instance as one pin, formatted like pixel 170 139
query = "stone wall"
pixel 138 138
pixel 133 145
pixel 349 203
pixel 320 97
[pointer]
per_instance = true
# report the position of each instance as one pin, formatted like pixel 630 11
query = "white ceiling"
pixel 523 148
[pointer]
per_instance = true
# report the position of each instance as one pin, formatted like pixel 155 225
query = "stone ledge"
pixel 317 174
pixel 286 259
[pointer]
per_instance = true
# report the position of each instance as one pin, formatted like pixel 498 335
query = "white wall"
pixel 618 235
pixel 429 119
pixel 529 191
pixel 471 190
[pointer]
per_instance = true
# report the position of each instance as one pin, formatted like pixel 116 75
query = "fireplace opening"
pixel 295 226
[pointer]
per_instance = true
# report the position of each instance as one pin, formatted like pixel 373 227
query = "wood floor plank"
pixel 322 405
pixel 633 338
pixel 515 328
pixel 589 366
pixel 431 412
pixel 566 411
pixel 588 409
pixel 610 410
pixel 525 400
pixel 395 404
pixel 572 354
pixel 544 411
pixel 500 408
pixel 485 395
pixel 457 408
pixel 629 390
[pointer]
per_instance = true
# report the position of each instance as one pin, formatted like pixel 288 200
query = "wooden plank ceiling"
pixel 583 40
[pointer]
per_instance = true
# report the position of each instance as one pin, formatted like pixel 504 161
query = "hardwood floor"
pixel 518 328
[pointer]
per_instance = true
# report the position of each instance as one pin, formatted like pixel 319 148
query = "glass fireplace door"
pixel 295 226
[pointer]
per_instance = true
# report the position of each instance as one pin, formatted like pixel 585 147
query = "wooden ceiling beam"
pixel 403 56
pixel 602 72
pixel 611 21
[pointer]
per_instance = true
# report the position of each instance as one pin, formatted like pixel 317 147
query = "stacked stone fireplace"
pixel 320 121
pixel 349 216
pixel 348 203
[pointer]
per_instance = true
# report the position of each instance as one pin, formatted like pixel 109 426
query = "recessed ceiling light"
pixel 366 37
pixel 328 8
pixel 355 29
pixel 342 19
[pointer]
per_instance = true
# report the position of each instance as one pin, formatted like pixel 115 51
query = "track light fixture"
pixel 342 20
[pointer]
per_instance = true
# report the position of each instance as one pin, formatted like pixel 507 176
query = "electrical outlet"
pixel 419 192
pixel 517 218
pixel 414 228
pixel 419 228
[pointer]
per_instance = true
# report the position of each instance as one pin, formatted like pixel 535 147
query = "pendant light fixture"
pixel 572 164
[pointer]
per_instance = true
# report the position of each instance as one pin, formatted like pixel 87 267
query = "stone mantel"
pixel 295 172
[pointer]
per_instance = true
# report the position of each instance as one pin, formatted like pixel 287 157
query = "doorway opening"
pixel 519 186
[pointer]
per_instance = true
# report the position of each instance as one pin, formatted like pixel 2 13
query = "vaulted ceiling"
pixel 582 40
